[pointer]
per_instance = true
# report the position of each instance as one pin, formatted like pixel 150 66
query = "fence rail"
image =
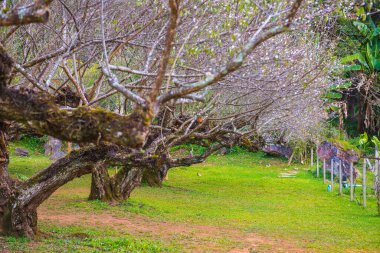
pixel 375 168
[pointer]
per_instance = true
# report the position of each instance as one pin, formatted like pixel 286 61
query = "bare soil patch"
pixel 194 238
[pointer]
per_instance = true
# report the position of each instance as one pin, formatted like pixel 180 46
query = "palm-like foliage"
pixel 367 59
pixel 363 68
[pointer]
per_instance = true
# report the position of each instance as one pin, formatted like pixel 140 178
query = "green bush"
pixel 196 149
pixel 33 143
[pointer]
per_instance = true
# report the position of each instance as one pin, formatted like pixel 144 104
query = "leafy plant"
pixel 359 51
pixel 363 138
pixel 376 141
pixel 33 143
pixel 368 57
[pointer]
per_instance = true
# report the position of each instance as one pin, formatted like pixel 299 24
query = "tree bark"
pixel 118 188
pixel 35 13
pixel 102 185
pixel 127 180
pixel 114 189
pixel 147 168
pixel 156 171
pixel 5 181
pixel 81 125
pixel 155 175
pixel 360 116
pixel 20 216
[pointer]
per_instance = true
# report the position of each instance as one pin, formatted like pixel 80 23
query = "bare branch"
pixel 76 84
pixel 112 79
pixel 36 13
pixel 174 13
pixel 29 77
pixel 144 73
pixel 257 39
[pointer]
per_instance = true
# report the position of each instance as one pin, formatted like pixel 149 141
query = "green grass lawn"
pixel 239 191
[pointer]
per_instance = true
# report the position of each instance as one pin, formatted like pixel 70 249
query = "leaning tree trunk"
pixel 150 170
pixel 20 217
pixel 117 188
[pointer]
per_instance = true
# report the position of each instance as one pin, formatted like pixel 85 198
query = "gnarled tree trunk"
pixel 127 180
pixel 117 188
pixel 150 170
pixel 19 217
pixel 156 171
pixel 5 182
pixel 19 201
pixel 102 185
pixel 13 220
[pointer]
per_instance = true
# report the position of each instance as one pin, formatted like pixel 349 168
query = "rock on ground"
pixel 278 150
pixel 53 148
pixel 330 152
pixel 21 152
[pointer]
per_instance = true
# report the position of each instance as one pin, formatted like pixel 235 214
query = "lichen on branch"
pixel 81 125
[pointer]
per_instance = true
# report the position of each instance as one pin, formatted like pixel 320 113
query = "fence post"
pixel 332 174
pixel 377 178
pixel 377 173
pixel 317 165
pixel 351 181
pixel 324 170
pixel 364 187
pixel 340 178
pixel 312 157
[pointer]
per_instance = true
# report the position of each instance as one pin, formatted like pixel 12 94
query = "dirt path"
pixel 194 238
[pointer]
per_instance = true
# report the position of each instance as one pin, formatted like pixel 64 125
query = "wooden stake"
pixel 370 165
pixel 290 159
pixel 332 174
pixel 352 181
pixel 312 157
pixel 340 178
pixel 324 170
pixel 317 166
pixel 364 184
pixel 377 174
pixel 377 178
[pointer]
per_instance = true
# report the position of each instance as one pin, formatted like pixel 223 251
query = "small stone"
pixel 21 152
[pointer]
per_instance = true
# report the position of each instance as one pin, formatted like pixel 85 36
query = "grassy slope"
pixel 240 191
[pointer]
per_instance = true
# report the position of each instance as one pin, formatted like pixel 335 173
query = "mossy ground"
pixel 241 191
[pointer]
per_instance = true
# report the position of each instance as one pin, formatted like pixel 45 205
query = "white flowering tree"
pixel 119 76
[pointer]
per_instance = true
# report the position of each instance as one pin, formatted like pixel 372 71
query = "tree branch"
pixel 35 13
pixel 82 125
pixel 257 39
pixel 174 11
pixel 112 78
